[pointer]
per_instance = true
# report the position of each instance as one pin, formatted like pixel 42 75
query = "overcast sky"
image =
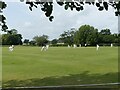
pixel 30 24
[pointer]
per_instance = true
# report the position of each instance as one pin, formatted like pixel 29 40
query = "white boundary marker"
pixel 63 86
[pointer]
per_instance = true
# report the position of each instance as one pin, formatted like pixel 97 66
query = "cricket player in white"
pixel 47 46
pixel 43 48
pixel 68 46
pixel 11 48
pixel 111 45
pixel 97 47
pixel 74 46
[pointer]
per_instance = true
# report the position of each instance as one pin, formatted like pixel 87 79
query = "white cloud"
pixel 27 24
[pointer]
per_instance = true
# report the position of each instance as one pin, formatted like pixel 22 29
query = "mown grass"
pixel 28 66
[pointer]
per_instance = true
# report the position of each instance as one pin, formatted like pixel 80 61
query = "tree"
pixel 12 31
pixel 68 36
pixel 12 38
pixel 108 39
pixel 105 37
pixel 47 7
pixel 105 32
pixel 33 43
pixel 41 40
pixel 86 35
pixel 92 38
pixel 26 41
pixel 8 39
pixel 54 41
pixel 116 38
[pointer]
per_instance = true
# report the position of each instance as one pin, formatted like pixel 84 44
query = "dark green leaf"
pixel 88 3
pixel 35 6
pixel 66 7
pixel 4 27
pixel 101 8
pixel 22 0
pixel 31 4
pixel 93 3
pixel 43 9
pixel 117 13
pixel 81 8
pixel 27 2
pixel 71 8
pixel 97 4
pixel 78 8
pixel 100 1
pixel 47 14
pixel 2 5
pixel 81 3
pixel 30 8
pixel 51 18
pixel 60 3
pixel 3 19
pixel 105 4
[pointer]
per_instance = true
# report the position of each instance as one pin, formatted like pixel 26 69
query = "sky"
pixel 30 24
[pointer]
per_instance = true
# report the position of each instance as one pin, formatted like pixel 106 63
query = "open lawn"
pixel 28 66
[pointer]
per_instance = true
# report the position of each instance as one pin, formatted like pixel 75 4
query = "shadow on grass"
pixel 71 79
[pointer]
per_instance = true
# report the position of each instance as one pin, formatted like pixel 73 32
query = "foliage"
pixel 67 37
pixel 8 39
pixel 41 40
pixel 89 35
pixel 105 32
pixel 47 6
pixel 32 43
pixel 26 41
pixel 54 41
pixel 12 38
pixel 58 45
pixel 105 36
pixel 3 5
pixel 12 31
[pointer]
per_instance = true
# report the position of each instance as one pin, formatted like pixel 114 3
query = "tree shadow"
pixel 71 79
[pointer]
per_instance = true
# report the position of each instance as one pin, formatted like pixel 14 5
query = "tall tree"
pixel 77 38
pixel 68 36
pixel 105 36
pixel 33 43
pixel 26 41
pixel 105 32
pixel 54 41
pixel 12 38
pixel 12 31
pixel 41 40
pixel 8 39
pixel 87 35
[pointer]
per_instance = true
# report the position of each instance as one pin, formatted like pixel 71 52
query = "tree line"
pixel 89 35
pixel 86 34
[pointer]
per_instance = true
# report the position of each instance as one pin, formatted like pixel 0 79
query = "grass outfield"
pixel 28 66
